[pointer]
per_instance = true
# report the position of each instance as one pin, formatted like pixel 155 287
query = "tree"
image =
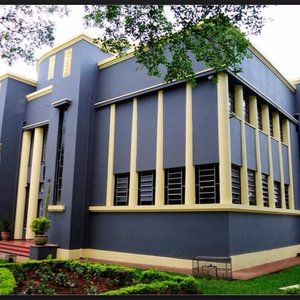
pixel 164 38
pixel 23 28
pixel 168 35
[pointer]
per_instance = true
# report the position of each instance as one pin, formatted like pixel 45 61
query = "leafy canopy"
pixel 165 38
pixel 170 35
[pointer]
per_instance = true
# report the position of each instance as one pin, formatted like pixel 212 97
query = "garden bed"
pixel 63 277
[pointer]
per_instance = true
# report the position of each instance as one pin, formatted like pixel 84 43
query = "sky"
pixel 278 41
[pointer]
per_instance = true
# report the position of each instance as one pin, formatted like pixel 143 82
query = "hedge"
pixel 7 282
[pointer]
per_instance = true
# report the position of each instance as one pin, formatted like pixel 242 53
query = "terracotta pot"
pixel 4 235
pixel 40 239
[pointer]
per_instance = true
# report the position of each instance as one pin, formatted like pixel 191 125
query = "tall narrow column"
pixel 258 178
pixel 224 140
pixel 20 209
pixel 110 162
pixel 160 177
pixel 133 182
pixel 34 179
pixel 276 124
pixel 266 128
pixel 189 166
pixel 287 140
pixel 238 97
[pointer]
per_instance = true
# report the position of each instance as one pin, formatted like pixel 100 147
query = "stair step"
pixel 21 253
pixel 12 247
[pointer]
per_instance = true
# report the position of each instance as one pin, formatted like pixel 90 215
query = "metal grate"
pixel 207 184
pixel 251 187
pixel 121 189
pixel 286 194
pixel 264 178
pixel 271 123
pixel 231 102
pixel 277 194
pixel 146 188
pixel 174 186
pixel 246 108
pixel 259 116
pixel 236 184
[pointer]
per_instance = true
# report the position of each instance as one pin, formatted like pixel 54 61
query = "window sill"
pixel 56 208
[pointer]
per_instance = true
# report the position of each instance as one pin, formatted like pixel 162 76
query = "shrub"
pixel 153 275
pixel 7 282
pixel 292 291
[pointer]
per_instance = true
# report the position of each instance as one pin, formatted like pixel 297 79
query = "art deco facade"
pixel 146 172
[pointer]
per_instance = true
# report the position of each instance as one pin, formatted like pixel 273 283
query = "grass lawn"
pixel 263 285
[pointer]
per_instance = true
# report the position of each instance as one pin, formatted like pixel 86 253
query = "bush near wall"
pixel 7 282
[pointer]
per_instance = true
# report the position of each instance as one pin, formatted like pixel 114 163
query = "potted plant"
pixel 40 226
pixel 5 227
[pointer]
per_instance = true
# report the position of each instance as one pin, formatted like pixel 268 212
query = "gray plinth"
pixel 42 252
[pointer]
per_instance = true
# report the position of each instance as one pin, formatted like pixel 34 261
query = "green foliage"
pixel 3 261
pixel 5 224
pixel 166 39
pixel 292 291
pixel 40 225
pixel 7 282
pixel 24 28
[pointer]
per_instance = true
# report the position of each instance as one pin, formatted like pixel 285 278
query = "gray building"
pixel 145 172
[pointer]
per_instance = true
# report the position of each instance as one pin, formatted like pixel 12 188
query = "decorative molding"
pixel 42 92
pixel 18 78
pixel 39 124
pixel 107 62
pixel 67 63
pixel 56 208
pixel 51 67
pixel 227 207
pixel 68 43
pixel 62 103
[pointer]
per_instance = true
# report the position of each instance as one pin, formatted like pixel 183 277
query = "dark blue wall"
pixel 275 159
pixel 181 235
pixel 251 232
pixel 267 83
pixel 123 137
pixel 146 132
pixel 263 144
pixel 285 163
pixel 205 123
pixel 174 127
pixel 250 146
pixel 38 109
pixel 99 176
pixel 235 140
pixel 14 109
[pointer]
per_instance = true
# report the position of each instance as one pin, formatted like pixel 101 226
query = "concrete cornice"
pixel 18 78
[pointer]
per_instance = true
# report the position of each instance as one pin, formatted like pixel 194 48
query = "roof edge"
pixel 18 78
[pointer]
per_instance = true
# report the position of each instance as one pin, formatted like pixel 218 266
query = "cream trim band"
pixel 226 207
pixel 18 78
pixel 46 90
pixel 240 261
pixel 56 208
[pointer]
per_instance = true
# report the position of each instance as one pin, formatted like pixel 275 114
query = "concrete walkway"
pixel 249 273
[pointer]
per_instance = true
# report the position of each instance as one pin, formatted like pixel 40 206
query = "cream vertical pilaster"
pixel 238 97
pixel 133 182
pixel 189 165
pixel 160 176
pixel 110 160
pixel 21 195
pixel 224 140
pixel 266 129
pixel 258 178
pixel 276 125
pixel 287 140
pixel 34 179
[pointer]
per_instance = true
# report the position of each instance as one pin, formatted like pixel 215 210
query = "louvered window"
pixel 207 184
pixel 264 178
pixel 174 186
pixel 286 194
pixel 146 188
pixel 246 108
pixel 236 184
pixel 121 189
pixel 251 187
pixel 271 123
pixel 259 116
pixel 277 194
pixel 231 102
